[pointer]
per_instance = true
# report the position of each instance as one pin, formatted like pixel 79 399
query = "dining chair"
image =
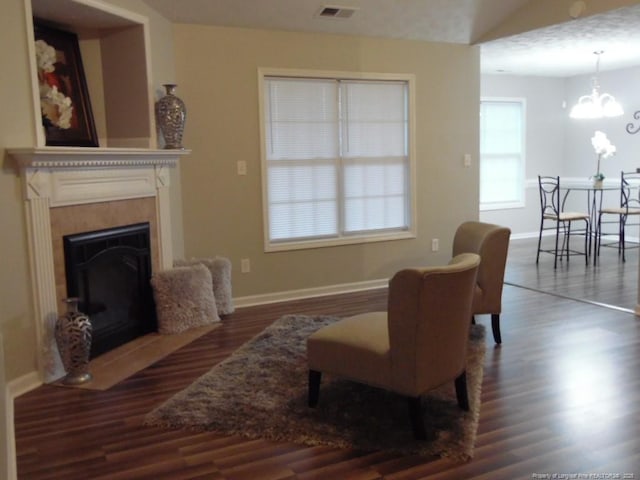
pixel 629 207
pixel 552 217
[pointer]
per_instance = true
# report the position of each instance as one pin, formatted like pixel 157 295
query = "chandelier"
pixel 596 105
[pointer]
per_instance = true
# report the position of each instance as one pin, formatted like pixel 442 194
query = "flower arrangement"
pixel 603 148
pixel 56 107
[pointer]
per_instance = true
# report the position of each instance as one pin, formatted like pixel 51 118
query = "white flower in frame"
pixel 45 56
pixel 56 107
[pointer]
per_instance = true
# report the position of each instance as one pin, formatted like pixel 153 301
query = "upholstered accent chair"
pixel 418 344
pixel 491 242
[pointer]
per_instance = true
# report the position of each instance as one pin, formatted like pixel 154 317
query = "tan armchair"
pixel 418 344
pixel 491 242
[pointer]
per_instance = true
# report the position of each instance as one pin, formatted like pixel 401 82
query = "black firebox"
pixel 109 271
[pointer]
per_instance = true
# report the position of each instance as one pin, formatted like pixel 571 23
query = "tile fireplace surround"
pixel 101 185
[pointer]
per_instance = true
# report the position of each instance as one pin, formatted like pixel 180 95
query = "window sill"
pixel 333 242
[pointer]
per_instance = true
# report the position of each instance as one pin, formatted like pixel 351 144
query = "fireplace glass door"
pixel 109 270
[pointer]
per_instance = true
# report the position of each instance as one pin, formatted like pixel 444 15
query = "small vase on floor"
pixel 171 115
pixel 73 337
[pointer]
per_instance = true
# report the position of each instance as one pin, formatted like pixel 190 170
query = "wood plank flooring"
pixel 561 395
pixel 609 281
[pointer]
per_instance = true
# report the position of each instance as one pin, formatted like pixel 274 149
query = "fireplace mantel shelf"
pixel 87 157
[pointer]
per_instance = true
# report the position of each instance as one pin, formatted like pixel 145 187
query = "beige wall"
pixel 17 130
pixel 217 77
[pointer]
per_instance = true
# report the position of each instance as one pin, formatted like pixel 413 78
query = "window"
pixel 336 160
pixel 502 153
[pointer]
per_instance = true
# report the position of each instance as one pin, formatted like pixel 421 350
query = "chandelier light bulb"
pixel 596 105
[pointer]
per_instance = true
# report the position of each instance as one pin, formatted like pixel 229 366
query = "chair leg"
pixel 415 415
pixel 598 239
pixel 539 241
pixel 314 387
pixel 568 237
pixel 461 391
pixel 495 327
pixel 621 238
pixel 555 256
pixel 587 245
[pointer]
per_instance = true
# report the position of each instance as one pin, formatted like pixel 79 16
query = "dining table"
pixel 594 197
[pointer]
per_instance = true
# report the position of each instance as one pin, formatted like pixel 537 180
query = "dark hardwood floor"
pixel 610 281
pixel 561 395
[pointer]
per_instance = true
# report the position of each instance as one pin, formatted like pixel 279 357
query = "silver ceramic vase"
pixel 170 116
pixel 73 336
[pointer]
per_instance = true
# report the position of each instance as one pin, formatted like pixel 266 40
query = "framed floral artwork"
pixel 64 98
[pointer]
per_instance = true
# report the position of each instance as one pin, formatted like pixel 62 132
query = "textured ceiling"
pixel 455 21
pixel 561 50
pixel 568 48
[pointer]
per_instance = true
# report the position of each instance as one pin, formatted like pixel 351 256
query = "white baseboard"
pixel 522 236
pixel 23 384
pixel 275 297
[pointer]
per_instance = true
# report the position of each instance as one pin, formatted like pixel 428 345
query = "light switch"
pixel 467 159
pixel 242 167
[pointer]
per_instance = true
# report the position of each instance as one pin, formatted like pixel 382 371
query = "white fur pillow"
pixel 184 298
pixel 220 269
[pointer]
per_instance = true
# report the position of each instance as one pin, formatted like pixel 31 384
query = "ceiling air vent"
pixel 333 11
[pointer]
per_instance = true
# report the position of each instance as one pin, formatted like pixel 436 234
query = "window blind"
pixel 501 153
pixel 336 157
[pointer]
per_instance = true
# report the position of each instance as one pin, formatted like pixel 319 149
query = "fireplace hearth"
pixel 109 271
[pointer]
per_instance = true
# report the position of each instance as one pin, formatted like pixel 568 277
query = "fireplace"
pixel 109 271
pixel 69 190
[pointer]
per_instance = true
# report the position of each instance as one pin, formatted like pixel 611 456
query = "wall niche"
pixel 115 54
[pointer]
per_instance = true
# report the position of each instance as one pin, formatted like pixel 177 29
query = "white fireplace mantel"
pixel 87 157
pixel 62 176
pixel 72 176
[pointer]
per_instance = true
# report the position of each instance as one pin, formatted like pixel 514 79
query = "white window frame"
pixel 350 239
pixel 504 205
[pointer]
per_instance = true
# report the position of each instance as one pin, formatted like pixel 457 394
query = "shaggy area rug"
pixel 260 391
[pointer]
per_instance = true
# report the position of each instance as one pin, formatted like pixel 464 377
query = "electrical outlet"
pixel 435 244
pixel 242 167
pixel 467 159
pixel 245 265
